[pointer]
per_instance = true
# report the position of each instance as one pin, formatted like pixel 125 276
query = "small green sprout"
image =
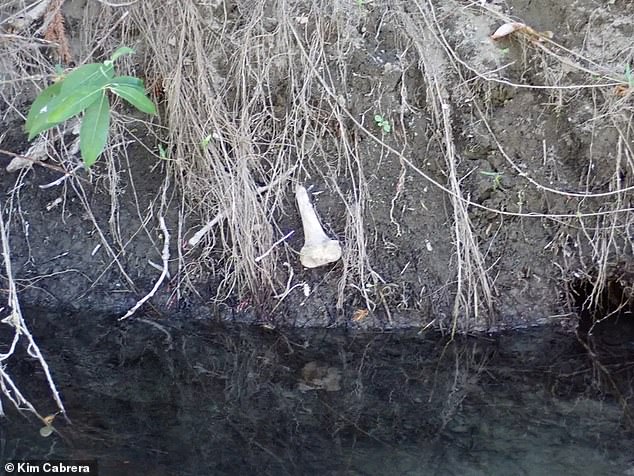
pixel 163 154
pixel 205 142
pixel 84 90
pixel 497 178
pixel 383 123
pixel 629 76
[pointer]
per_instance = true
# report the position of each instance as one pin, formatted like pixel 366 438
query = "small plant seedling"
pixel 383 123
pixel 629 76
pixel 163 154
pixel 84 90
pixel 497 178
pixel 205 142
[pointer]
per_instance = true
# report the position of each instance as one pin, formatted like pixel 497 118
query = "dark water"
pixel 201 398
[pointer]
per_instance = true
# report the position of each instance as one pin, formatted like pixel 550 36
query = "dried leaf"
pixel 55 31
pixel 506 29
pixel 360 314
pixel 35 153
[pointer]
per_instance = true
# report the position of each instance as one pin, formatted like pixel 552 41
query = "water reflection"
pixel 199 398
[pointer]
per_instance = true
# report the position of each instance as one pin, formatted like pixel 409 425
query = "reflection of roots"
pixel 606 332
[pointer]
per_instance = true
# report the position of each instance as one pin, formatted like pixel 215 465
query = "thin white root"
pixel 268 252
pixel 60 180
pixel 16 320
pixel 289 286
pixel 124 4
pixel 165 256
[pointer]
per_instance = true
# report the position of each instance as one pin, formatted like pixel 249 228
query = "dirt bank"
pixel 503 181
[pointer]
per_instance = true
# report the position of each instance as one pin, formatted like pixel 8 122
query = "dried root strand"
pixel 55 31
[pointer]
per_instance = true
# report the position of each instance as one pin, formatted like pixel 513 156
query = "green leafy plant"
pixel 163 153
pixel 85 90
pixel 383 123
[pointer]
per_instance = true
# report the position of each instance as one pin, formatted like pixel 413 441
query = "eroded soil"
pixel 533 151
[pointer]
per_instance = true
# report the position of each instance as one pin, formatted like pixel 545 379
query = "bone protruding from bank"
pixel 318 249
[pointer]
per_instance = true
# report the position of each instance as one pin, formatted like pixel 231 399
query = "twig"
pixel 165 256
pixel 38 162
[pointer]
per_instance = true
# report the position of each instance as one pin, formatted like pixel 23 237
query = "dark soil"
pixel 532 263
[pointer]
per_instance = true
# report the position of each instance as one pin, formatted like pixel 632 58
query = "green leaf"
pixel 135 96
pixel 36 120
pixel 162 152
pixel 96 74
pixel 122 50
pixel 68 105
pixel 378 118
pixel 127 81
pixel 93 133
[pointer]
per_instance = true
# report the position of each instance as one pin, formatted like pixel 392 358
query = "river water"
pixel 192 397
